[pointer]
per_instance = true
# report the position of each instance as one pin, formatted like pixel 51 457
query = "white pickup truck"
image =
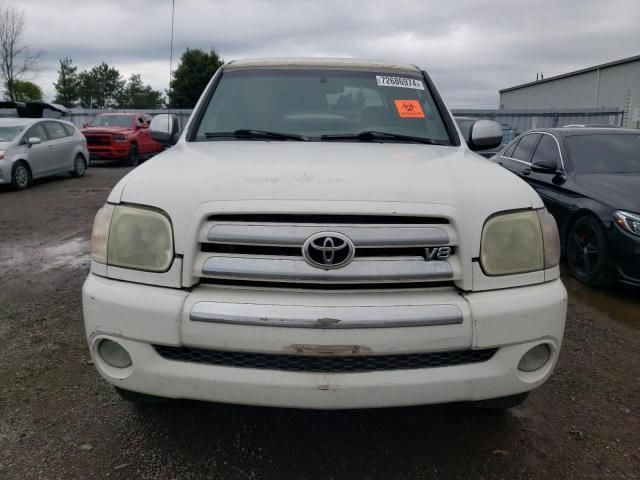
pixel 322 236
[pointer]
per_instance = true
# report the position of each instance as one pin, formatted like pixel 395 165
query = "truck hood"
pixel 619 191
pixel 300 174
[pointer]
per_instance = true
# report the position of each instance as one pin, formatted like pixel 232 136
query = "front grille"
pixel 98 139
pixel 330 219
pixel 326 286
pixel 295 251
pixel 324 364
pixel 386 250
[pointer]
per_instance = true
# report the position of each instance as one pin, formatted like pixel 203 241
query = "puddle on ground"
pixel 619 303
pixel 68 254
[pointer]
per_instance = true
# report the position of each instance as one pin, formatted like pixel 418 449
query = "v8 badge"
pixel 437 253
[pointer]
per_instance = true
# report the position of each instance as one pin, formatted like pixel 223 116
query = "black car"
pixel 589 179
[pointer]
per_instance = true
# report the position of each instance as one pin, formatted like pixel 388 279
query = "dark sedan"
pixel 589 179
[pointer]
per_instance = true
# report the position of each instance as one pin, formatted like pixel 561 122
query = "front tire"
pixel 134 156
pixel 79 166
pixel 587 254
pixel 21 176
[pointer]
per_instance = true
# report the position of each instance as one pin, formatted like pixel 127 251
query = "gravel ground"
pixel 58 419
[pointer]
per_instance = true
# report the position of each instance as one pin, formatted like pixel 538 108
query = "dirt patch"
pixel 70 253
pixel 618 303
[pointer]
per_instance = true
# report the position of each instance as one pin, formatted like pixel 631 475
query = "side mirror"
pixel 85 124
pixel 164 129
pixel 485 134
pixel 545 166
pixel 33 141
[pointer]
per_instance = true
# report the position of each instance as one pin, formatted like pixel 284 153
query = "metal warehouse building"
pixel 614 87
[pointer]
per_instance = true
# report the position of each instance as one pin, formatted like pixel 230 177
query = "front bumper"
pixel 625 256
pixel 5 172
pixel 139 316
pixel 109 153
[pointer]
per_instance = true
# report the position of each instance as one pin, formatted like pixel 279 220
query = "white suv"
pixel 322 236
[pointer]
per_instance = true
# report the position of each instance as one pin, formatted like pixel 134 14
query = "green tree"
pixel 24 91
pixel 68 84
pixel 194 71
pixel 135 94
pixel 100 87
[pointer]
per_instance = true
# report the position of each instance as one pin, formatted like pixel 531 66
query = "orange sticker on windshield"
pixel 409 108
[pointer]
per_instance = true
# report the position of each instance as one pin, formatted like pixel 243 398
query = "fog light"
pixel 112 353
pixel 535 358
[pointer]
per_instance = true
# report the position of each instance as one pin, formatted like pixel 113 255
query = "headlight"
pixel 628 221
pixel 132 237
pixel 519 242
pixel 100 233
pixel 550 237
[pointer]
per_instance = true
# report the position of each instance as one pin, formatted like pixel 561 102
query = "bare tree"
pixel 16 58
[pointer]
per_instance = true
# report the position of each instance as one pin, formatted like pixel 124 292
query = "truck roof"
pixel 322 63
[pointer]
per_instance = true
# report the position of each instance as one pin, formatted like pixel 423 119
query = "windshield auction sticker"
pixel 409 108
pixel 402 82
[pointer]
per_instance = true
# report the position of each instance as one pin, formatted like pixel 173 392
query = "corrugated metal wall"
pixel 518 120
pixel 525 119
pixel 616 87
pixel 572 92
pixel 513 122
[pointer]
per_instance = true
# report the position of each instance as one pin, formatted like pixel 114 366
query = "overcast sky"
pixel 472 48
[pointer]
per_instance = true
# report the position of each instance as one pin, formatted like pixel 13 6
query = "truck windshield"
pixel 112 121
pixel 322 105
pixel 9 132
pixel 605 153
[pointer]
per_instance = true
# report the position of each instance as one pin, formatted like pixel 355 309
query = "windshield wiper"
pixel 371 135
pixel 247 133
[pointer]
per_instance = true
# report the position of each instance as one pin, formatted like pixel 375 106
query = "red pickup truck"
pixel 123 136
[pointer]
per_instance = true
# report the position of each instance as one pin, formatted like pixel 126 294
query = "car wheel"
pixel 587 251
pixel 139 398
pixel 79 166
pixel 502 403
pixel 134 156
pixel 21 176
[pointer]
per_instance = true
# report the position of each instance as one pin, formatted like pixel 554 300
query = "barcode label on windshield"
pixel 401 82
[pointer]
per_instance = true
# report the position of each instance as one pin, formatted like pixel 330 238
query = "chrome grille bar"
pixel 370 270
pixel 363 236
pixel 301 316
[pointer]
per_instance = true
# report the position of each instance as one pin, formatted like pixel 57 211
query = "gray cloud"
pixel 471 48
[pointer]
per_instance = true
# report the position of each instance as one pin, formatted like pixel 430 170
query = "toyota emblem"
pixel 328 250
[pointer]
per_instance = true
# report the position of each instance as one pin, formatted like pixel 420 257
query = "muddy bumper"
pixel 212 343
